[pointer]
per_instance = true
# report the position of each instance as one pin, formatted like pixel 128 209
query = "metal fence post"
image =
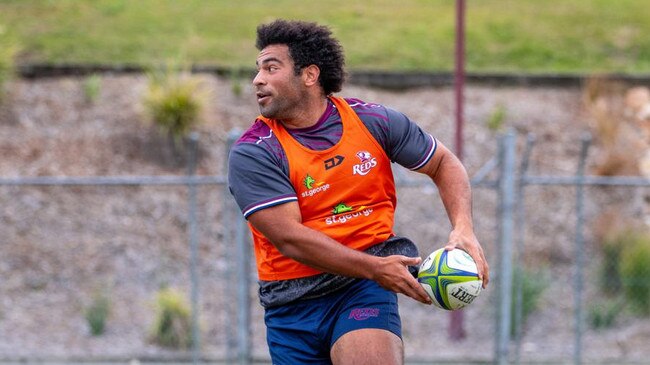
pixel 579 249
pixel 243 294
pixel 193 237
pixel 520 224
pixel 507 199
pixel 243 274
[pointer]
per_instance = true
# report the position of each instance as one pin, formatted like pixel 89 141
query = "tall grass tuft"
pixel 603 313
pixel 635 273
pixel 497 118
pixel 92 88
pixel 237 78
pixel 174 100
pixel 610 267
pixel 533 283
pixel 97 313
pixel 173 325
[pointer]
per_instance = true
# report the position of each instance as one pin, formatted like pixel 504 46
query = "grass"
pixel 502 35
pixel 172 328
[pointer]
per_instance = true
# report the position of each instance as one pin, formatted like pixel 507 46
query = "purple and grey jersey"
pixel 258 173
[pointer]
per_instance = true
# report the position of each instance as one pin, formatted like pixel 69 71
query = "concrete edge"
pixel 396 80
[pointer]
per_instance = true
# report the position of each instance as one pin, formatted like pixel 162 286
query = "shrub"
pixel 497 118
pixel 174 102
pixel 173 325
pixel 635 273
pixel 533 283
pixel 619 141
pixel 92 87
pixel 603 313
pixel 610 267
pixel 97 314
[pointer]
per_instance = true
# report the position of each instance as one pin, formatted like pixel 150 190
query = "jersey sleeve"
pixel 403 140
pixel 407 143
pixel 255 180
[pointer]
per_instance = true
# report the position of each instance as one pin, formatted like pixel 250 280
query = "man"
pixel 312 176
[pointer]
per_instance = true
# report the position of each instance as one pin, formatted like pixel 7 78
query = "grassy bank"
pixel 502 35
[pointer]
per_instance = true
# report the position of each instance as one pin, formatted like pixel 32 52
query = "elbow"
pixel 288 245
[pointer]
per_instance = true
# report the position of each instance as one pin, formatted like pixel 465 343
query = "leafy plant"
pixel 173 326
pixel 603 313
pixel 92 87
pixel 174 101
pixel 97 313
pixel 236 78
pixel 610 267
pixel 635 273
pixel 496 119
pixel 533 283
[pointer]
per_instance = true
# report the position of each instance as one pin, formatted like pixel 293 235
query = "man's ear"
pixel 310 75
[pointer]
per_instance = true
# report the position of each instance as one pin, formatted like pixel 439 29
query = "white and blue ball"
pixel 450 278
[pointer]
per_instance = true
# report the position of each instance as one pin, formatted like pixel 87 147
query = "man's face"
pixel 279 90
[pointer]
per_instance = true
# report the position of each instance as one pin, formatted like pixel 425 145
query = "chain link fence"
pixel 67 240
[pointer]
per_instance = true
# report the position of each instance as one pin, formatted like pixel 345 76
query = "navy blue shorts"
pixel 304 331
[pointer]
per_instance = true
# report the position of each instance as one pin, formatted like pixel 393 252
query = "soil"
pixel 62 245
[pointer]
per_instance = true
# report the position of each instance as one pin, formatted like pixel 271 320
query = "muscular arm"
pixel 282 225
pixel 452 181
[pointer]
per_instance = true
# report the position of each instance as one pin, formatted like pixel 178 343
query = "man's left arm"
pixel 450 176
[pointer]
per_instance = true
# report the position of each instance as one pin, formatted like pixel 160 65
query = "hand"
pixel 466 240
pixel 392 274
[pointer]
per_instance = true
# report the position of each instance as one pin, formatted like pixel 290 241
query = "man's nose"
pixel 258 80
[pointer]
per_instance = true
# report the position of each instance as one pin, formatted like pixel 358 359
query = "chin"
pixel 268 113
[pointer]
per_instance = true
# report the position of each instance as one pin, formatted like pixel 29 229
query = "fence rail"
pixel 509 187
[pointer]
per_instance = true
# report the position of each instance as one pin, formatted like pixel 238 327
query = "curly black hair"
pixel 309 44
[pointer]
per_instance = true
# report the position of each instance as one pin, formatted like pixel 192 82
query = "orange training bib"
pixel 346 191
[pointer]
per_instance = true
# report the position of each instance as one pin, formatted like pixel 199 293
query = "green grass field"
pixel 502 35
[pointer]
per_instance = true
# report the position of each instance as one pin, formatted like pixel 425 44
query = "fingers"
pixel 451 246
pixel 481 265
pixel 420 294
pixel 398 279
pixel 410 261
pixel 476 252
pixel 485 270
pixel 414 289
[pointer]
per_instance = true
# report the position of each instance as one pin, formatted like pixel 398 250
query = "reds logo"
pixel 367 163
pixel 361 314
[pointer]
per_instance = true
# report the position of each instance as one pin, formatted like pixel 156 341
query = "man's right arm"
pixel 282 225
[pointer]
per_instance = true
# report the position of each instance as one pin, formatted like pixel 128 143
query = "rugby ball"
pixel 450 278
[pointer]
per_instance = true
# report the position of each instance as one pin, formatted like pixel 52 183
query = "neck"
pixel 308 115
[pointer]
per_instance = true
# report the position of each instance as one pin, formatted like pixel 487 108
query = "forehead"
pixel 274 52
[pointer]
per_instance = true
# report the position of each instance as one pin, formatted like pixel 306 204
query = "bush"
pixel 173 323
pixel 92 87
pixel 635 273
pixel 533 283
pixel 609 274
pixel 237 78
pixel 497 118
pixel 97 314
pixel 603 313
pixel 174 102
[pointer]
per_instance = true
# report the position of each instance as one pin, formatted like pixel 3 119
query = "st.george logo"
pixel 367 163
pixel 313 187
